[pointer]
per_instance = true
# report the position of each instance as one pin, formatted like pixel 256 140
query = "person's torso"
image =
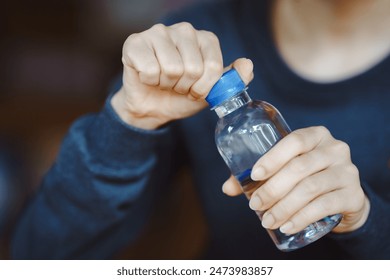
pixel 354 110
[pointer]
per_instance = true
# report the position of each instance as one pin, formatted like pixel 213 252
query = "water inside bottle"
pixel 295 241
pixel 242 137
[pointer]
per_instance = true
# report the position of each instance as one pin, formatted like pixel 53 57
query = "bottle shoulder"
pixel 251 117
pixel 254 111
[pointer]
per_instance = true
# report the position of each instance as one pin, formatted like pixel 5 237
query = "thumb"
pixel 244 67
pixel 232 187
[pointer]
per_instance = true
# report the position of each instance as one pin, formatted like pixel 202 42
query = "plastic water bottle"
pixel 245 131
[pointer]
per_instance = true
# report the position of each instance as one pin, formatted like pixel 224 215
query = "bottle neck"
pixel 232 104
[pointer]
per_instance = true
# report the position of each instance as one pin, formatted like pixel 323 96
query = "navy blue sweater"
pixel 98 194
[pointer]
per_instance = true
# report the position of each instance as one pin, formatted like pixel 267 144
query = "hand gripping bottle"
pixel 245 131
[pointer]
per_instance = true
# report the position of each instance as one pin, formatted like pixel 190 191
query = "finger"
pixel 286 179
pixel 298 142
pixel 353 221
pixel 305 191
pixel 212 64
pixel 244 67
pixel 232 187
pixel 186 41
pixel 171 64
pixel 323 206
pixel 138 57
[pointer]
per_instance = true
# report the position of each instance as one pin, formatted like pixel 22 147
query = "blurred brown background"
pixel 58 59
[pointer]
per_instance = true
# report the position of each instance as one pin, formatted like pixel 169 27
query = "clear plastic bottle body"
pixel 245 131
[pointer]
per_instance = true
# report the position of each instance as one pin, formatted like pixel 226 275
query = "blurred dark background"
pixel 58 59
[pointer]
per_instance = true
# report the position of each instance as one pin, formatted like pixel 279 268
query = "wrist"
pixel 118 103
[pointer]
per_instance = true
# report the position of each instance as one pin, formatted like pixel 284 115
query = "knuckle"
pixel 352 170
pixel 282 210
pixel 211 36
pixel 132 39
pixel 197 93
pixel 321 130
pixel 150 71
pixel 185 27
pixel 124 60
pixel 173 70
pixel 159 27
pixel 297 139
pixel 298 164
pixel 342 147
pixel 193 71
pixel 215 66
pixel 208 39
pixel 269 191
pixel 311 188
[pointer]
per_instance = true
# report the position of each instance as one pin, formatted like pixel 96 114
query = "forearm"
pixel 96 197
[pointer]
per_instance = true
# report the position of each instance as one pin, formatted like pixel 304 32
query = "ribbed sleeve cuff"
pixel 118 143
pixel 366 241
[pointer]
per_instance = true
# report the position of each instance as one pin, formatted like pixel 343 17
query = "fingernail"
pixel 255 203
pixel 258 173
pixel 286 227
pixel 268 221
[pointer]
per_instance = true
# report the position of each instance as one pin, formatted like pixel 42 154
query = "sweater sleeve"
pixel 97 196
pixel 369 241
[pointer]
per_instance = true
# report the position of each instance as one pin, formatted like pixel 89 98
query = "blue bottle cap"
pixel 229 85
